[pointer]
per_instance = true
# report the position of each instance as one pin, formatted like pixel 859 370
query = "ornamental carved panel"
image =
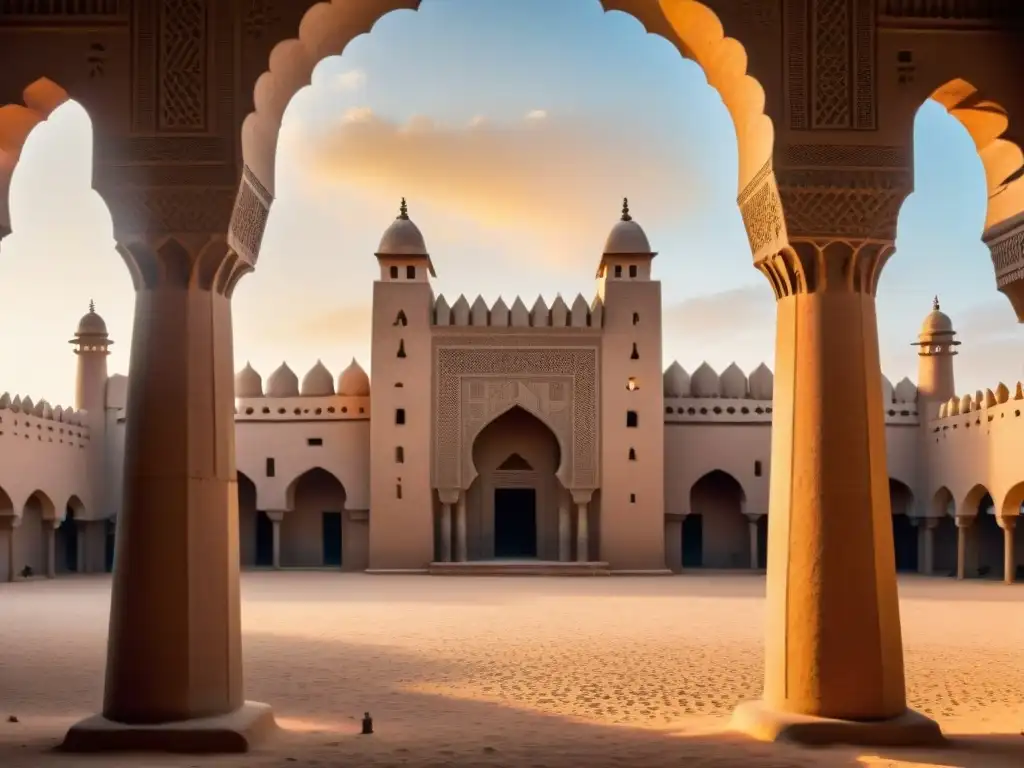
pixel 474 385
pixel 1006 244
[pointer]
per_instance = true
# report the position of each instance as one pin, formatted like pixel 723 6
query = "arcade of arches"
pixel 822 95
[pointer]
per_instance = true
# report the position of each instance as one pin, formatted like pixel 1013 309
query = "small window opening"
pixel 410 273
pixel 632 454
pixel 401 347
pixel 757 469
pixel 394 273
pixel 314 441
pixel 270 468
pixel 632 419
pixel 398 491
pixel 631 385
pixel 632 498
pixel 905 57
pixel 399 384
pixel 632 270
pixel 399 455
pixel 636 318
pixel 635 354
pixel 618 270
pixel 401 319
pixel 400 416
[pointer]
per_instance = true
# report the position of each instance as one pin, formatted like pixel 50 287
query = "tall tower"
pixel 632 501
pixel 401 406
pixel 936 348
pixel 92 345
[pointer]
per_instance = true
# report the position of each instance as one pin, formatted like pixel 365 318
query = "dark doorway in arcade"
pixel 332 538
pixel 515 522
pixel 693 541
pixel 264 540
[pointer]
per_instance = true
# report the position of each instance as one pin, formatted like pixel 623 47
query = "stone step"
pixel 519 568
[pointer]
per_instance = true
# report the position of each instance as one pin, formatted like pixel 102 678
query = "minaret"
pixel 632 506
pixel 92 345
pixel 401 404
pixel 936 349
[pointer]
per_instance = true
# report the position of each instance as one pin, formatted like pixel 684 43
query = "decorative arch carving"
pixel 328 27
pixel 529 405
pixel 297 480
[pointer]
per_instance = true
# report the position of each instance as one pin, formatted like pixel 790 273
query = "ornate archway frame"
pixel 328 27
pixel 473 385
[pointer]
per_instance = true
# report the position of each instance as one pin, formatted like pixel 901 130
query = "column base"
pixel 234 732
pixel 911 729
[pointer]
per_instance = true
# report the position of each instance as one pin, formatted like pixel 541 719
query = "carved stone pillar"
pixel 581 498
pixel 1009 524
pixel 7 525
pixel 174 663
pixel 461 530
pixel 448 497
pixel 928 526
pixel 564 532
pixel 833 649
pixel 50 531
pixel 963 530
pixel 674 542
pixel 276 517
pixel 1005 241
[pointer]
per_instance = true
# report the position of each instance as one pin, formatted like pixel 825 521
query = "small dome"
pixel 762 383
pixel 248 383
pixel 705 382
pixel 353 381
pixel 91 324
pixel 283 383
pixel 318 382
pixel 888 396
pixel 627 237
pixel 906 391
pixel 402 238
pixel 676 381
pixel 936 322
pixel 733 383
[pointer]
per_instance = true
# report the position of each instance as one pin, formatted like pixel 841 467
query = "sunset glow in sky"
pixel 514 141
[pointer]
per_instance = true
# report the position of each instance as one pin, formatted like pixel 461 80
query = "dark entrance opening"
pixel 762 542
pixel 332 538
pixel 515 522
pixel 111 541
pixel 264 540
pixel 693 541
pixel 67 533
pixel 904 537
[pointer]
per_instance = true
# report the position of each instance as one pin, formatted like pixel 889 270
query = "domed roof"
pixel 762 383
pixel 733 382
pixel 403 237
pixel 936 322
pixel 353 381
pixel 283 382
pixel 318 382
pixel 248 383
pixel 627 237
pixel 705 382
pixel 676 381
pixel 91 324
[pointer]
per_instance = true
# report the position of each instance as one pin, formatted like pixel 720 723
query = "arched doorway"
pixel 6 531
pixel 716 503
pixel 31 547
pixel 989 541
pixel 110 543
pixel 512 505
pixel 67 544
pixel 255 530
pixel 945 537
pixel 904 532
pixel 313 527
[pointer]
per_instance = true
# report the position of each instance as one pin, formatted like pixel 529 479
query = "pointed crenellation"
pixel 479 314
pixel 539 313
pixel 519 315
pixel 442 312
pixel 705 382
pixel 905 391
pixel 499 314
pixel 676 381
pixel 460 311
pixel 597 312
pixel 580 312
pixel 980 400
pixel 733 383
pixel 762 383
pixel 559 312
pixel 888 395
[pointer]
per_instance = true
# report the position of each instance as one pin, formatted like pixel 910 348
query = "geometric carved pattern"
pixel 851 204
pixel 848 156
pixel 249 217
pixel 182 72
pixel 50 8
pixel 952 10
pixel 140 210
pixel 832 58
pixel 761 210
pixel 1006 245
pixel 795 26
pixel 475 383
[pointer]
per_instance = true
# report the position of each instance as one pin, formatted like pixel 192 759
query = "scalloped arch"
pixel 564 455
pixel 328 27
pixel 1003 160
pixel 17 121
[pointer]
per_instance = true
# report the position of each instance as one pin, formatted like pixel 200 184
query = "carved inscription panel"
pixel 474 385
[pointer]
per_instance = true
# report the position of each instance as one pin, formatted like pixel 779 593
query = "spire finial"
pixel 625 210
pixel 403 211
pixel 935 304
pixel 92 307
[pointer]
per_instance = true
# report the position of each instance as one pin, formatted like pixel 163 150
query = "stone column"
pixel 276 518
pixel 174 662
pixel 564 532
pixel 81 530
pixel 833 647
pixel 50 532
pixel 7 525
pixel 448 497
pixel 752 529
pixel 674 542
pixel 1008 523
pixel 963 527
pixel 461 542
pixel 581 498
pixel 928 526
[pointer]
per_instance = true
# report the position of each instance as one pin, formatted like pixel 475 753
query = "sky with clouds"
pixel 514 141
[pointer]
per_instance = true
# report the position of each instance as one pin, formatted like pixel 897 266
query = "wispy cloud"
pixel 350 80
pixel 721 316
pixel 560 178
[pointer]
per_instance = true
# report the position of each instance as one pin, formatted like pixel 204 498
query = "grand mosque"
pixel 504 438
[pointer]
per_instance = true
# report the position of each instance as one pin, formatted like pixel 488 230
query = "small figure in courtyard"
pixel 367 724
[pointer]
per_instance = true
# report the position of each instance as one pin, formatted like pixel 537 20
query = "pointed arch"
pixel 314 475
pixel 313 527
pixel 942 503
pixel 40 501
pixel 973 501
pixel 717 506
pixel 1010 505
pixel 6 505
pixel 563 461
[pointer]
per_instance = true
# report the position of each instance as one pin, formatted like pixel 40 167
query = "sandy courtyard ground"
pixel 542 673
